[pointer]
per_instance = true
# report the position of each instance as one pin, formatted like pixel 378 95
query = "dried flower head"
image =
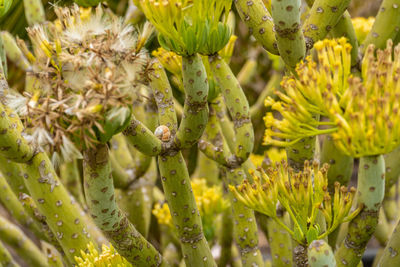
pixel 303 195
pixel 108 257
pixel 187 26
pixel 87 66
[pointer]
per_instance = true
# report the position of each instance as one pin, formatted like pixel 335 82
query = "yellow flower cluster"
pixel 109 257
pixel 362 27
pixel 302 194
pixel 368 115
pixel 303 99
pixel 273 156
pixel 209 200
pixel 360 113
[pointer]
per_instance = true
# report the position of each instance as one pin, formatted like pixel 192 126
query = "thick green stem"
pixel 391 254
pixel 184 212
pixel 280 243
pixel 323 16
pixel 291 44
pixel 34 12
pixel 345 28
pixel 53 201
pixel 386 25
pixel 142 138
pixel 13 205
pixel 137 200
pixel 320 254
pixel 258 19
pixel 195 110
pixel 5 257
pixel 390 205
pixel 300 256
pixel 23 246
pixel 14 54
pixel 392 168
pixel 238 107
pixel 175 177
pixel 100 196
pixel 12 145
pixel 71 178
pixel 300 152
pixel 208 169
pixel 370 192
pixel 245 226
pixel 12 172
pixel 226 238
pixel 31 208
pixel 340 165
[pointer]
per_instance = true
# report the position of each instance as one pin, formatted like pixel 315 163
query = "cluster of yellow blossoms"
pixel 325 98
pixel 303 195
pixel 209 200
pixel 109 257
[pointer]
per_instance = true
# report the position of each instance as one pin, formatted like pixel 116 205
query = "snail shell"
pixel 163 133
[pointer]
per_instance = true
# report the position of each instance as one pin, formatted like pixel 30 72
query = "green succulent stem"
pixel 142 138
pixel 101 200
pixel 53 201
pixel 34 12
pixel 238 107
pixel 245 226
pixel 12 145
pixel 40 220
pixel 345 28
pixel 390 205
pixel 323 16
pixel 300 255
pixel 24 247
pixel 208 169
pixel 392 168
pixel 256 16
pixel 301 151
pixel 280 242
pixel 12 173
pixel 10 201
pixel 290 39
pixel 3 60
pixel 195 109
pixel 70 176
pixel 226 238
pixel 386 25
pixel 391 253
pixel 6 258
pixel 173 170
pixel 320 254
pixel 165 101
pixel 370 193
pixel 182 205
pixel 340 165
pixel 136 201
pixel 14 54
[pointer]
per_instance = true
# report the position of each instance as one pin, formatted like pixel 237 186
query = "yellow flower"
pixel 367 116
pixel 257 160
pixel 109 257
pixel 362 27
pixel 161 211
pixel 209 201
pixel 302 194
pixel 303 98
